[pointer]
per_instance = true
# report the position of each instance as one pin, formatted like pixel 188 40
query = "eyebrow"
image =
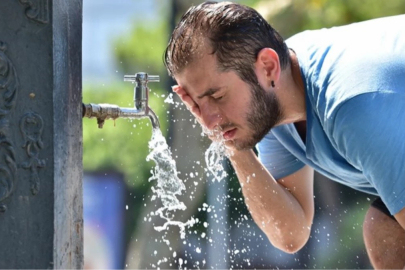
pixel 209 92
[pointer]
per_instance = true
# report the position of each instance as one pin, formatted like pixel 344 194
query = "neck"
pixel 292 96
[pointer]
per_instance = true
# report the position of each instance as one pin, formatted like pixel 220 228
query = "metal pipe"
pixel 110 111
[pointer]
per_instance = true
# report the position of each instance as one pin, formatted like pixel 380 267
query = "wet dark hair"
pixel 235 34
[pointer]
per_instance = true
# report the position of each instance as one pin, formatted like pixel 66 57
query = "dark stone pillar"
pixel 41 219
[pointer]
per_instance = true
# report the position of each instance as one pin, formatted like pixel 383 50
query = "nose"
pixel 210 115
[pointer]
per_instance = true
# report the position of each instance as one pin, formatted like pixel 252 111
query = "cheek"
pixel 237 111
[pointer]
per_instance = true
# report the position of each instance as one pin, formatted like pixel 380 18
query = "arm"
pixel 400 217
pixel 283 210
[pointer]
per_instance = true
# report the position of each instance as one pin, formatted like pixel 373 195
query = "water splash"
pixel 216 153
pixel 168 186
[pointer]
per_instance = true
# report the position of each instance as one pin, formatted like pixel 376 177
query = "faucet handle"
pixel 141 77
pixel 153 78
pixel 130 78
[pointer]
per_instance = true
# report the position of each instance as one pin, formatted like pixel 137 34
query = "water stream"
pixel 168 186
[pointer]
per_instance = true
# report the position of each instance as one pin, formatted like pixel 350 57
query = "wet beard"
pixel 264 114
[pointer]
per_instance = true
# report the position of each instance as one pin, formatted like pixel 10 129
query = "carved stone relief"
pixel 31 126
pixel 8 95
pixel 37 10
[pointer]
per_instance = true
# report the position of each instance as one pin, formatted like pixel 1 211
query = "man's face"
pixel 244 113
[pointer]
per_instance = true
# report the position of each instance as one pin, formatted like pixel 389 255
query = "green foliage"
pixel 293 16
pixel 142 49
pixel 121 146
pixel 249 3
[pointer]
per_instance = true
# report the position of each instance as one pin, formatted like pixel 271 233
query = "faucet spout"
pixel 109 111
pixel 154 119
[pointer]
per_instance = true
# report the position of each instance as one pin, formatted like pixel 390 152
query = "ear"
pixel 267 67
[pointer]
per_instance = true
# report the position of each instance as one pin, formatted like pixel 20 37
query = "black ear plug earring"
pixel 272 84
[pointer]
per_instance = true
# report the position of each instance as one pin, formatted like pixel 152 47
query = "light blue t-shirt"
pixel 354 79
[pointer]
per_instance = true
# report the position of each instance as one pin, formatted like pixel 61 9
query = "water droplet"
pixel 169 99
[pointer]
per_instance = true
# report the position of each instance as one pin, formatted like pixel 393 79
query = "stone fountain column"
pixel 41 219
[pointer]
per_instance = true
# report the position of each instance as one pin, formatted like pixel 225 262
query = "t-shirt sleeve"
pixel 276 158
pixel 369 131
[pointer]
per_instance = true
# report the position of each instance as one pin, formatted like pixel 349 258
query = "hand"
pixel 193 107
pixel 188 101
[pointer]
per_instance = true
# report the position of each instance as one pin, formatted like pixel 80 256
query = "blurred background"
pixel 129 36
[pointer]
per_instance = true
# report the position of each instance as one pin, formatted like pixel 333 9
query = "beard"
pixel 264 113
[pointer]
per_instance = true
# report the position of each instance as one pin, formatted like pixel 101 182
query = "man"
pixel 333 100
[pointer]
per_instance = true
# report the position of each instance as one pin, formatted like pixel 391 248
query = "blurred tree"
pixel 142 49
pixel 293 16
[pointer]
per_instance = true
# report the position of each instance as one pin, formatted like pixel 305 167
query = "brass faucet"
pixel 141 108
